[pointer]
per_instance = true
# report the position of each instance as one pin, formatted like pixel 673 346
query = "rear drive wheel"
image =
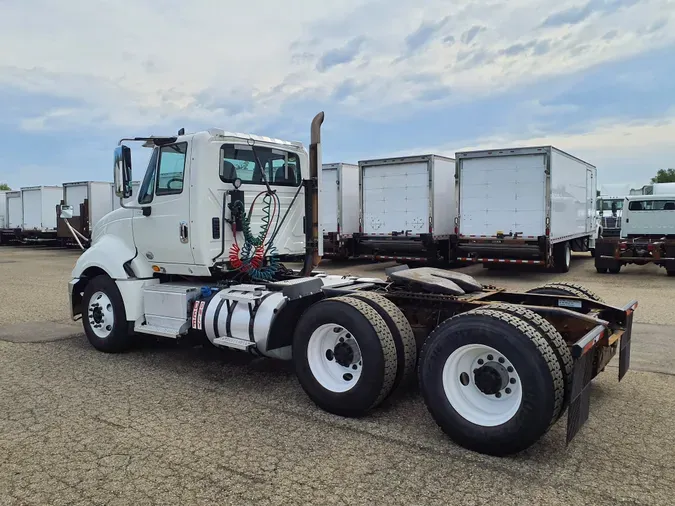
pixel 491 381
pixel 552 337
pixel 615 270
pixel 575 289
pixel 401 331
pixel 344 356
pixel 105 319
pixel 562 257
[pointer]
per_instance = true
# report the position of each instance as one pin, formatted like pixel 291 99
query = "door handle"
pixel 183 231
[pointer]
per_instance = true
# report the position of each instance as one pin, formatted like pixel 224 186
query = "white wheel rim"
pixel 334 358
pixel 467 399
pixel 100 314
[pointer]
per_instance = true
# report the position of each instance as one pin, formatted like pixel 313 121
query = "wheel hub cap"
pixel 491 378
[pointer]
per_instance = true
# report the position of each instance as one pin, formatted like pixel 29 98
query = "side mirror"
pixel 122 172
pixel 66 212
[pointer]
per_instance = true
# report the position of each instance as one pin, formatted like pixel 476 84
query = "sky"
pixel 593 78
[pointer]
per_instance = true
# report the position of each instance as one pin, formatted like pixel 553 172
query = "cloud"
pixel 428 75
pixel 344 54
pixel 472 33
pixel 575 15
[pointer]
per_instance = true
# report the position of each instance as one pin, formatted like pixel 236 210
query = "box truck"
pixel 39 205
pixel 90 201
pixel 531 205
pixel 13 217
pixel 339 202
pixel 3 208
pixel 406 208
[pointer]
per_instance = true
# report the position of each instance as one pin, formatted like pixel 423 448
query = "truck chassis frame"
pixel 612 253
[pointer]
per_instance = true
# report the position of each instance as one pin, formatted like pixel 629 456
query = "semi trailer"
pixel 647 235
pixel 406 208
pixel 3 209
pixel 339 202
pixel 531 205
pixel 496 368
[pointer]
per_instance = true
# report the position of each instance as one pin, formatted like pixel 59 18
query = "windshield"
pixel 610 205
pixel 282 168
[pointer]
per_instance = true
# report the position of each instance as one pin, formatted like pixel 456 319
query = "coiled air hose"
pixel 250 258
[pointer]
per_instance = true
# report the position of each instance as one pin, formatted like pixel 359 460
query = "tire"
pixel 670 273
pixel 555 289
pixel 589 294
pixel 592 252
pixel 562 257
pixel 615 270
pixel 601 270
pixel 118 337
pixel 401 331
pixel 536 372
pixel 552 337
pixel 322 378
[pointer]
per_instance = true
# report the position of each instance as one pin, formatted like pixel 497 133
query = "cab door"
pixel 162 229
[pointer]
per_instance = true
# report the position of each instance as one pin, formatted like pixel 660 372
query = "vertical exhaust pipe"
pixel 312 257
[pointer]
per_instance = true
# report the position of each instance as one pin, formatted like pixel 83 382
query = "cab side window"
pixel 171 169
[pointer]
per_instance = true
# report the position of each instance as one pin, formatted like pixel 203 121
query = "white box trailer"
pixel 339 207
pixel 14 210
pixel 407 209
pixel 39 209
pixel 90 200
pixel 135 185
pixel 3 208
pixel 532 205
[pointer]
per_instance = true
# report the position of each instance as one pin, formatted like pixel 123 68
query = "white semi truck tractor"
pixel 200 251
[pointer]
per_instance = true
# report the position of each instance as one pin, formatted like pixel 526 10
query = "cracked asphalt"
pixel 172 424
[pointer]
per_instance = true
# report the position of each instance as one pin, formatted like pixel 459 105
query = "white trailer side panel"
pixel 573 196
pixel 395 198
pixel 3 209
pixel 444 196
pixel 650 215
pixel 505 193
pixel 328 200
pixel 51 197
pixel 663 189
pixel 349 199
pixel 74 195
pixel 100 202
pixel 14 217
pixel 32 209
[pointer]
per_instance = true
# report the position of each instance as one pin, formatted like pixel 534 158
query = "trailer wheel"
pixel 552 337
pixel 105 319
pixel 401 331
pixel 562 256
pixel 576 290
pixel 344 356
pixel 490 381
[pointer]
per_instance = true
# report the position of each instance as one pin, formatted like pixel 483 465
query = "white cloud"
pixel 620 150
pixel 129 63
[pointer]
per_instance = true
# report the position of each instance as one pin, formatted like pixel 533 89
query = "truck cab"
pixel 182 221
pixel 609 211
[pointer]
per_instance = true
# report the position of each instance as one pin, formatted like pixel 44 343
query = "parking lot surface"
pixel 178 424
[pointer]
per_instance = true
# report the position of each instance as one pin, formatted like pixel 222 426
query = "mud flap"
pixel 580 395
pixel 624 347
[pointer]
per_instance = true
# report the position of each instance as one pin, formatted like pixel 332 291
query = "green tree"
pixel 664 176
pixel 4 187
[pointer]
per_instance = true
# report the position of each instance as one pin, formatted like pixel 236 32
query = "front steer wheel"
pixel 344 356
pixel 104 317
pixel 491 381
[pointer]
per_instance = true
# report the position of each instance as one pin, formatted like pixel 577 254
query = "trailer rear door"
pixel 396 198
pixel 14 217
pixel 329 199
pixel 502 194
pixel 75 195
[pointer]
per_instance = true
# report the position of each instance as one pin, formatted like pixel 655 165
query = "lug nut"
pixel 512 381
pixel 501 360
pixel 509 368
pixel 508 390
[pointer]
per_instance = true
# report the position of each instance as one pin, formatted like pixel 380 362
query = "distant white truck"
pixel 3 208
pixel 647 235
pixel 90 201
pixel 339 204
pixel 528 205
pixel 39 210
pixel 407 208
